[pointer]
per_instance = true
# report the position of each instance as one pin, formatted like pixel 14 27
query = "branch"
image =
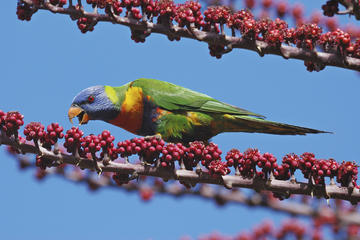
pixel 263 42
pixel 278 186
pixel 159 160
pixel 293 208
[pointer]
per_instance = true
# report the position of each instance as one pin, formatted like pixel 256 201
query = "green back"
pixel 176 98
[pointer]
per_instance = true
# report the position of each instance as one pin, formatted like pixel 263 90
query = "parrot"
pixel 150 107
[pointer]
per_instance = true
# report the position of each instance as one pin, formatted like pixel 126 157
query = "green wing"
pixel 175 98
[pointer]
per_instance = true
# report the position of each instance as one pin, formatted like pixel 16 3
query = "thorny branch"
pixel 219 44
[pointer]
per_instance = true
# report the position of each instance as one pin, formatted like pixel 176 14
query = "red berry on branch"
pixel 347 173
pixel 166 10
pixel 267 162
pixel 120 178
pixel 146 194
pixel 291 161
pixel 247 165
pixel 34 131
pixel 306 162
pixel 2 118
pixel 311 66
pixel 298 12
pixel 171 153
pixel 24 11
pixel 86 24
pixel 233 157
pixel 91 144
pixel 218 168
pixel 194 154
pixel 282 172
pixel 54 132
pixel 330 8
pixel 306 35
pixel 250 4
pixel 281 9
pixel 12 122
pixel 211 153
pixel 217 14
pixel 42 162
pixel 73 140
pixel 267 3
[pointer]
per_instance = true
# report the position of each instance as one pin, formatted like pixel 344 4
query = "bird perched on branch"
pixel 149 107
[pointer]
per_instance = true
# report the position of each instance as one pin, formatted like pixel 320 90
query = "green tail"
pixel 258 125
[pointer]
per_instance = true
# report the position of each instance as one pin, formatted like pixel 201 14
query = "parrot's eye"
pixel 91 99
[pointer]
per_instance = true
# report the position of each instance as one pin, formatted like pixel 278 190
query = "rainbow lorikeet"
pixel 149 107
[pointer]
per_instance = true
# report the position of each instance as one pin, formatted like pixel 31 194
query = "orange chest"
pixel 130 117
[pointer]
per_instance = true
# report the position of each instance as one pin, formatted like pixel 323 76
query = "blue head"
pixel 92 104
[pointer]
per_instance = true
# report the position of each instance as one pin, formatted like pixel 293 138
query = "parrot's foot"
pixel 157 136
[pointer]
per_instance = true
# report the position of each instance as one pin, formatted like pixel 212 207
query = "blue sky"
pixel 45 62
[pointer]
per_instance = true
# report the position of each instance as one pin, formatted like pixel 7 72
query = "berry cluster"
pixel 306 35
pixel 148 149
pixel 2 118
pixel 188 13
pixel 335 41
pixel 24 11
pixel 324 168
pixel 312 66
pixel 34 131
pixel 247 166
pixel 107 145
pixel 194 154
pixel 330 8
pixel 171 153
pixel 242 20
pixel 73 140
pixel 91 144
pixel 42 162
pixel 234 158
pixel 166 10
pixel 217 14
pixel 291 227
pixel 120 178
pixel 218 168
pixel 11 123
pixel 211 153
pixel 86 24
pixel 267 163
pixel 54 132
pixel 347 173
pixel 306 162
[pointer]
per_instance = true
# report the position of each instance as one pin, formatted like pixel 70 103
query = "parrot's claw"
pixel 157 136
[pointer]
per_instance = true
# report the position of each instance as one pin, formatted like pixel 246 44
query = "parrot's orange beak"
pixel 76 111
